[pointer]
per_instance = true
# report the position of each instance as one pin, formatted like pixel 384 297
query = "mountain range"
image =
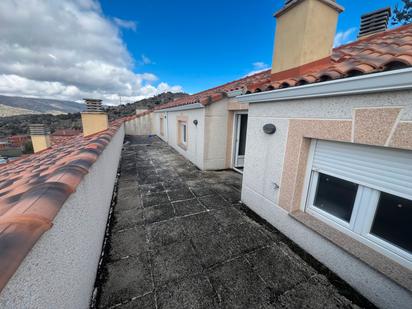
pixel 13 106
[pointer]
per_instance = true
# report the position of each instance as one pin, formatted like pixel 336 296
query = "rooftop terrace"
pixel 180 238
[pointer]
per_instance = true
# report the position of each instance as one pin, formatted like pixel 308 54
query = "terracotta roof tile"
pixel 34 188
pixel 376 53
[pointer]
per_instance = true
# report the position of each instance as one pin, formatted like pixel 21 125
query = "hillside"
pixel 6 111
pixel 13 125
pixel 10 106
pixel 130 108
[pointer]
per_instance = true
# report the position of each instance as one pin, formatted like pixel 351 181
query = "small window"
pixel 162 126
pixel 393 221
pixel 336 196
pixel 182 134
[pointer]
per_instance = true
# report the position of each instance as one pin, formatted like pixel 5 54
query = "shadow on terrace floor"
pixel 181 239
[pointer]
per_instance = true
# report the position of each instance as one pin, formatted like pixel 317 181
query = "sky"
pixel 122 51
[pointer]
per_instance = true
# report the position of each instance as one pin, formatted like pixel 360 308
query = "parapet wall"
pixel 60 270
pixel 141 125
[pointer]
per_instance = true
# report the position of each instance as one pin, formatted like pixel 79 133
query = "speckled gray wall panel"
pixel 60 270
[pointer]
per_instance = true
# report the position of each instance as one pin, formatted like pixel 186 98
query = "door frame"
pixel 235 139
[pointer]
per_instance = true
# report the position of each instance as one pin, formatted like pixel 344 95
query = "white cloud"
pixel 344 37
pixel 257 68
pixel 260 65
pixel 127 24
pixel 68 49
pixel 146 60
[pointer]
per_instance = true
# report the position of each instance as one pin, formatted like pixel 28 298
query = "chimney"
pixel 40 137
pixel 374 22
pixel 305 31
pixel 94 119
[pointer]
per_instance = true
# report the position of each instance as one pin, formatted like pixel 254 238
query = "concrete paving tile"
pixel 188 207
pixel 228 216
pixel 158 213
pixel 223 188
pixel 278 268
pixel 315 293
pixel 180 194
pixel 188 293
pixel 199 224
pixel 248 237
pixel 127 183
pixel 126 279
pixel 128 242
pixel 166 232
pixel 213 248
pixel 174 184
pixel 155 199
pixel 202 191
pixel 127 203
pixel 148 179
pixel 239 286
pixel 148 189
pixel 144 302
pixel 127 219
pixel 214 202
pixel 231 197
pixel 174 261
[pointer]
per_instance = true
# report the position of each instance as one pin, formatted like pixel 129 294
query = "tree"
pixel 402 15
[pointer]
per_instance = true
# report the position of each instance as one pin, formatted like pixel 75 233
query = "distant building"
pixel 16 141
pixel 4 144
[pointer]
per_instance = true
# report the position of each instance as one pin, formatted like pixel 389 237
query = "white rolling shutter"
pixel 383 169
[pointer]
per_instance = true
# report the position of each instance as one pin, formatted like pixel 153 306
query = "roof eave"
pixel 371 83
pixel 180 108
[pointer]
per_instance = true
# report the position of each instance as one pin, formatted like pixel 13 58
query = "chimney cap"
pixel 93 105
pixel 289 4
pixel 374 22
pixel 92 100
pixel 38 129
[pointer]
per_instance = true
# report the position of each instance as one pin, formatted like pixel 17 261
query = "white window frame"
pixel 235 139
pixel 162 125
pixel 183 128
pixel 363 213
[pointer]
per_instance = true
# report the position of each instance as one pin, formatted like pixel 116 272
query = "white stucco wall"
pixel 60 270
pixel 264 167
pixel 216 121
pixel 156 124
pixel 195 145
pixel 143 125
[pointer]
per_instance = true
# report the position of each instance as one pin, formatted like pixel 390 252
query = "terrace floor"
pixel 181 239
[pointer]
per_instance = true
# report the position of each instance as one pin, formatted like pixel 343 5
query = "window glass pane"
pixel 242 135
pixel 393 221
pixel 184 133
pixel 335 196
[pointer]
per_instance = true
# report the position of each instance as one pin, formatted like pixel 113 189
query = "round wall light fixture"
pixel 195 122
pixel 269 128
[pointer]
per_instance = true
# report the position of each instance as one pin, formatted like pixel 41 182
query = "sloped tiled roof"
pixel 34 188
pixel 385 51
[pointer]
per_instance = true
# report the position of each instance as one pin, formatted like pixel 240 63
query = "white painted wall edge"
pixel 60 270
pixel 371 83
pixel 181 108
